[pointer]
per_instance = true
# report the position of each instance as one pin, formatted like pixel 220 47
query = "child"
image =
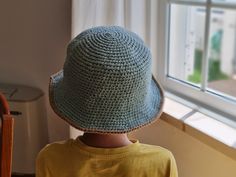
pixel 106 89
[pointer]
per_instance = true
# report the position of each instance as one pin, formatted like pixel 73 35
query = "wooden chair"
pixel 6 136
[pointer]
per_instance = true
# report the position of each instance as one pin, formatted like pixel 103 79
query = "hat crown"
pixel 107 62
pixel 112 47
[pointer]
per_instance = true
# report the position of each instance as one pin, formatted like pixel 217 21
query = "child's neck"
pixel 105 140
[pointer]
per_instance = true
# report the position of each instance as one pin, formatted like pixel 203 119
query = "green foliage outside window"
pixel 196 76
pixel 214 72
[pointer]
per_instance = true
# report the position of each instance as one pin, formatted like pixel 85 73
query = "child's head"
pixel 106 85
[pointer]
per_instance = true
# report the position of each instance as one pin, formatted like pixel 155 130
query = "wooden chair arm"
pixel 7 126
pixel 4 107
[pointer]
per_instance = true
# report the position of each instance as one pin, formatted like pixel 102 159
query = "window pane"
pixel 222 51
pixel 193 0
pixel 186 42
pixel 227 1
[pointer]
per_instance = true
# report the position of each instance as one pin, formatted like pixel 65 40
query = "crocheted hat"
pixel 106 85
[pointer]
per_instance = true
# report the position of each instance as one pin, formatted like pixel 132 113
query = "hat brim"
pixel 63 106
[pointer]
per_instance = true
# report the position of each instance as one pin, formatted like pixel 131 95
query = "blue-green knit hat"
pixel 106 85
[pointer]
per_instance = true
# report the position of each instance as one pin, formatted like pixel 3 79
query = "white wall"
pixel 33 39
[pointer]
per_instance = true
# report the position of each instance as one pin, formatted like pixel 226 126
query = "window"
pixel 197 52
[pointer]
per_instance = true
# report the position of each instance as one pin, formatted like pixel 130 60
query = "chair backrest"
pixel 6 138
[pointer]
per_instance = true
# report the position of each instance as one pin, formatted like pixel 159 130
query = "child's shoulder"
pixel 55 148
pixel 153 160
pixel 160 154
pixel 58 144
pixel 153 148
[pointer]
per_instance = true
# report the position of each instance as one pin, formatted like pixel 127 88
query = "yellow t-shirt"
pixel 73 158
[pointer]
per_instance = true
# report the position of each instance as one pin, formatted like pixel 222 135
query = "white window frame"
pixel 204 99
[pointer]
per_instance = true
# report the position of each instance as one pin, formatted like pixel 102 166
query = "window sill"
pixel 210 131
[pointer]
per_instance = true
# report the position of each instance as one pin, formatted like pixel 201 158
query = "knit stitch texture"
pixel 106 84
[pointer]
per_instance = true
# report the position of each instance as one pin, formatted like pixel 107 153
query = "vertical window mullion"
pixel 168 15
pixel 206 44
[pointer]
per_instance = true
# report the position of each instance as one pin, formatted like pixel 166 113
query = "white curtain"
pixel 139 16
